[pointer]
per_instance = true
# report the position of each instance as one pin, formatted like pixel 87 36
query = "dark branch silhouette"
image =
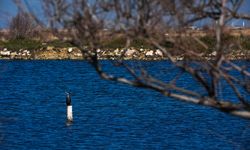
pixel 150 20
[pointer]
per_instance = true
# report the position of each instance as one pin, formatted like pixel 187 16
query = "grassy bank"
pixel 120 42
pixel 114 48
pixel 17 44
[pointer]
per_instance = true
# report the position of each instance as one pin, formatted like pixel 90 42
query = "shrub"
pixel 210 41
pixel 118 42
pixel 59 44
pixel 140 43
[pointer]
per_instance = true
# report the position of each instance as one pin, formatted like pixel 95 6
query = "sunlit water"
pixel 107 115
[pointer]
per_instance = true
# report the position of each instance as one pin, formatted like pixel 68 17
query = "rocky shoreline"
pixel 73 53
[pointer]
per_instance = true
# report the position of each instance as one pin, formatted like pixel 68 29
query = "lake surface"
pixel 107 115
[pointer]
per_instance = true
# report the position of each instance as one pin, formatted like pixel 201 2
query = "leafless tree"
pixel 151 20
pixel 23 26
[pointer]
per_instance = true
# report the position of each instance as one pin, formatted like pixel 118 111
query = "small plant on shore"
pixel 140 43
pixel 118 42
pixel 209 41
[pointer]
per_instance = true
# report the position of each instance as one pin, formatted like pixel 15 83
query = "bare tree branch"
pixel 152 20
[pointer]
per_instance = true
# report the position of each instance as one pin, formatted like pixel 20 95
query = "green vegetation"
pixel 18 44
pixel 210 41
pixel 59 44
pixel 245 42
pixel 115 43
pixel 139 43
pixel 234 41
pixel 120 42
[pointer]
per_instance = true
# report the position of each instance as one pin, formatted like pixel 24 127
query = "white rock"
pixel 159 53
pixel 150 53
pixel 116 51
pixel 179 58
pixel 130 52
pixel 214 53
pixel 70 49
pixel 13 53
pixel 5 53
pixel 78 54
pixel 98 50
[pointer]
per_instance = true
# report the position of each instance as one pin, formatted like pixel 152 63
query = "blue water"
pixel 107 115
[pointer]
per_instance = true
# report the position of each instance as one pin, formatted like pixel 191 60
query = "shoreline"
pixel 73 53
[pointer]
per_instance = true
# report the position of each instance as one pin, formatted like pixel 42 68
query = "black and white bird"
pixel 69 108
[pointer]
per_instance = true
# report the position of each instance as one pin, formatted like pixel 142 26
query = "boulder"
pixel 159 53
pixel 116 51
pixel 5 52
pixel 78 54
pixel 25 53
pixel 150 53
pixel 98 50
pixel 214 53
pixel 70 49
pixel 13 54
pixel 130 52
pixel 179 58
